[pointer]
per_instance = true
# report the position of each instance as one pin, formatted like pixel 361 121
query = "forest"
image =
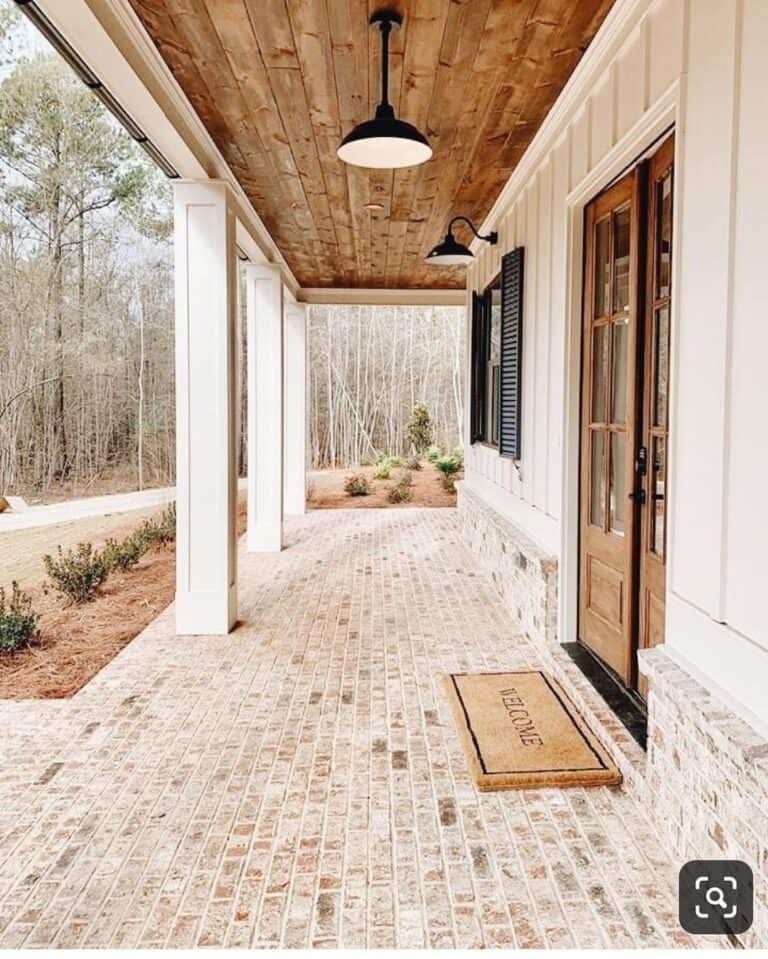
pixel 86 309
pixel 87 320
pixel 369 367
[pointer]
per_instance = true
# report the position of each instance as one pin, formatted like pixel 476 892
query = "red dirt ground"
pixel 327 489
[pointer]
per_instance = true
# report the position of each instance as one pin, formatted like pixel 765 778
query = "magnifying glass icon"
pixel 716 897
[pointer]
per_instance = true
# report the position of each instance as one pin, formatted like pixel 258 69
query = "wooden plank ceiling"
pixel 278 83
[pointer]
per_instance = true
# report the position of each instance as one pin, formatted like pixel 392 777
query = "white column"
pixel 206 482
pixel 264 302
pixel 295 386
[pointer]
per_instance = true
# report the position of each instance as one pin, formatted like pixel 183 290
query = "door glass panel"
pixel 621 260
pixel 602 266
pixel 618 482
pixel 619 371
pixel 597 479
pixel 658 493
pixel 664 251
pixel 660 366
pixel 599 373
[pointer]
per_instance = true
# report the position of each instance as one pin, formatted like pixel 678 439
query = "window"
pixel 486 364
pixel 497 326
pixel 493 297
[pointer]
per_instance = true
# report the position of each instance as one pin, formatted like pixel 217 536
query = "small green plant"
pixel 433 454
pixel 159 531
pixel 18 620
pixel 449 483
pixel 385 465
pixel 126 554
pixel 449 464
pixel 401 492
pixel 357 485
pixel 413 463
pixel 420 428
pixel 78 573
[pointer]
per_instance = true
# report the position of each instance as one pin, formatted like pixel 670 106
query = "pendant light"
pixel 385 143
pixel 452 253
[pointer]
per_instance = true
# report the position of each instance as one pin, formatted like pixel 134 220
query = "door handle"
pixel 638 497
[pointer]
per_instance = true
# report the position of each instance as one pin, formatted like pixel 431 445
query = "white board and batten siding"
pixel 702 65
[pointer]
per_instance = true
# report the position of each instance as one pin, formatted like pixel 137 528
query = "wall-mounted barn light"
pixel 452 253
pixel 385 143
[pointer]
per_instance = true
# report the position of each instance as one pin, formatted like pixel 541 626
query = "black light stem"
pixel 490 238
pixel 386 28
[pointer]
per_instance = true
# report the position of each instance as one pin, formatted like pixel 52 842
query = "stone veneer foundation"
pixel 707 774
pixel 523 573
pixel 704 780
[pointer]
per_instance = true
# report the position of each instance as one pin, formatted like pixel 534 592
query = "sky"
pixel 26 40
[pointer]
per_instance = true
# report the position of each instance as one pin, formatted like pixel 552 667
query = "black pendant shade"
pixel 452 253
pixel 385 143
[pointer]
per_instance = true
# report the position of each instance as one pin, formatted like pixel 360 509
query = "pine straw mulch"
pixel 76 642
pixel 327 489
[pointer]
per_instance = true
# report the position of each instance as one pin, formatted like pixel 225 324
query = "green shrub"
pixel 125 555
pixel 420 428
pixel 458 454
pixel 413 463
pixel 159 531
pixel 433 454
pixel 357 485
pixel 78 573
pixel 385 465
pixel 448 464
pixel 401 491
pixel 18 620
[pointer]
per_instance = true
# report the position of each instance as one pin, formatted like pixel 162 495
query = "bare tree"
pixel 369 366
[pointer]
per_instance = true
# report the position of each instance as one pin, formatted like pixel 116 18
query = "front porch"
pixel 300 783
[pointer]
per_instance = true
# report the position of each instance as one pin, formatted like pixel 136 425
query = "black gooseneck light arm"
pixel 386 28
pixel 491 238
pixel 386 21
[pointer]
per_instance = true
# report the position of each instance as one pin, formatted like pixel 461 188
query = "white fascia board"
pixel 109 37
pixel 330 296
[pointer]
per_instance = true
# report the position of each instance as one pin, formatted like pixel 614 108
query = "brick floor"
pixel 299 783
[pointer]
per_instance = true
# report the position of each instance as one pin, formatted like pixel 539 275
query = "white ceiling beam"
pixel 331 296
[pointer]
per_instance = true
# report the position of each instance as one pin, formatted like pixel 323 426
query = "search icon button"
pixel 716 897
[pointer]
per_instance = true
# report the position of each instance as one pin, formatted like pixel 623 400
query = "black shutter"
pixel 477 392
pixel 511 352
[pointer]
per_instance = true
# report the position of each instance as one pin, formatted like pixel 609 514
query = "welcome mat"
pixel 520 731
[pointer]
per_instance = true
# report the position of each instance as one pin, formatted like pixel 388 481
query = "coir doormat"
pixel 520 731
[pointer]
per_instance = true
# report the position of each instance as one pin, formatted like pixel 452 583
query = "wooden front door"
pixel 624 434
pixel 652 457
pixel 609 425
